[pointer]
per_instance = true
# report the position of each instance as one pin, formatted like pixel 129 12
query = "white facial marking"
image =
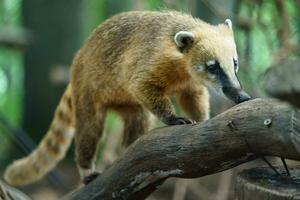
pixel 236 64
pixel 211 62
pixel 211 76
pixel 228 23
pixel 199 68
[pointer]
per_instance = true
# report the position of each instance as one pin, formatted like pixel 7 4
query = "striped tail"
pixel 50 151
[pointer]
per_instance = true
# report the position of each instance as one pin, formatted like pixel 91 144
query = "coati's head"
pixel 214 57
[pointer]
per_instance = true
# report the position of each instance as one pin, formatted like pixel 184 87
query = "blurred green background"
pixel 38 40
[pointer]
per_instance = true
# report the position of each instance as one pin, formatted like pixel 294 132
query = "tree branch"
pixel 256 127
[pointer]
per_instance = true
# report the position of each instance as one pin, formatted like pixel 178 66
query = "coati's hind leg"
pixel 136 123
pixel 194 101
pixel 89 127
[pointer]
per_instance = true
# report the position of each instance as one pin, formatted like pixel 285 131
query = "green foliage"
pixel 10 12
pixel 153 4
pixel 11 72
pixel 5 144
pixel 166 5
pixel 11 77
pixel 94 14
pixel 258 47
pixel 112 121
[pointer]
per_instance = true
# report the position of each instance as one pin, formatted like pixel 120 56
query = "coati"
pixel 132 63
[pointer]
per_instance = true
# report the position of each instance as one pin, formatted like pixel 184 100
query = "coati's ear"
pixel 228 23
pixel 184 39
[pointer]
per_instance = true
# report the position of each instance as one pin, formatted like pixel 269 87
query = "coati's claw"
pixel 89 178
pixel 179 121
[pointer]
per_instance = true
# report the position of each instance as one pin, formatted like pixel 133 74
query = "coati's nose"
pixel 236 95
pixel 242 96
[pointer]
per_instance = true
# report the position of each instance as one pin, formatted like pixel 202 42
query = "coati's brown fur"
pixel 130 64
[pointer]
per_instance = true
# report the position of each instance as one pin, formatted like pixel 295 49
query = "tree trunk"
pixel 56 29
pixel 262 183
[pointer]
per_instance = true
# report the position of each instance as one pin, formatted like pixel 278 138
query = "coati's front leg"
pixel 194 101
pixel 159 104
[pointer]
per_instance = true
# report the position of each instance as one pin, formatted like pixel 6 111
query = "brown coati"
pixel 132 63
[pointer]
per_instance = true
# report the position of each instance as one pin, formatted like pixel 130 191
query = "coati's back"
pixel 130 42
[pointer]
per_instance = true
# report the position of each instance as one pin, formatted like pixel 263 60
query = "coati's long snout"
pixel 232 88
pixel 235 94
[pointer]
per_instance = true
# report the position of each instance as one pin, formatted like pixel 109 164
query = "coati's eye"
pixel 236 65
pixel 212 66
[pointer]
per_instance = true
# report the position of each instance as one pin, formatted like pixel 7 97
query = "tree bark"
pixel 253 128
pixel 262 183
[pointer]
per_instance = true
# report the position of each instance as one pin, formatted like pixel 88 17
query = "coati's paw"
pixel 89 178
pixel 179 121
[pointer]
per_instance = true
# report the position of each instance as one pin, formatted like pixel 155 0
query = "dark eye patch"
pixel 213 67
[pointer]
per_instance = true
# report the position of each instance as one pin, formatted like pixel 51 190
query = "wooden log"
pixel 253 128
pixel 283 81
pixel 262 183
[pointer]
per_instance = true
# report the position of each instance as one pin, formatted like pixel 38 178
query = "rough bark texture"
pixel 283 81
pixel 261 183
pixel 257 127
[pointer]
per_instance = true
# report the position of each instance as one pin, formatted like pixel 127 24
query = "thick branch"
pixel 256 127
pixel 283 81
